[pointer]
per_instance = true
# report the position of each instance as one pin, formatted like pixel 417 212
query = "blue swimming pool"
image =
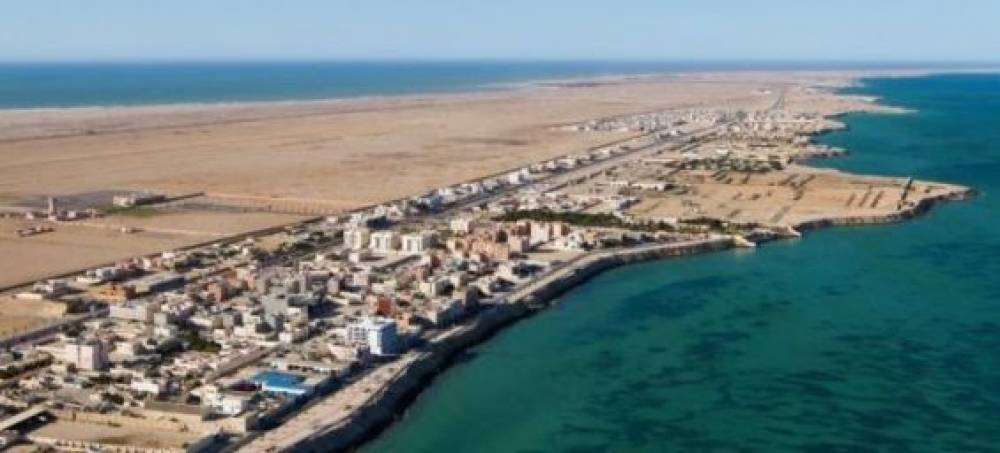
pixel 278 382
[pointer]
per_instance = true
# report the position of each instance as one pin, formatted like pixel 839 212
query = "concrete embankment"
pixel 369 420
pixel 590 265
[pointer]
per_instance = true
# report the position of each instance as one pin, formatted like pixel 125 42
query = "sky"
pixel 843 30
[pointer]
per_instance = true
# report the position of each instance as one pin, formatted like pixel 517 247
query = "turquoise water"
pixel 860 339
pixel 105 84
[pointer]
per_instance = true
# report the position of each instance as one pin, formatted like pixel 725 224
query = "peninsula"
pixel 284 277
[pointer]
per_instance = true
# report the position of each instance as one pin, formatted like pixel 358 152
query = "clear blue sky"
pixel 540 29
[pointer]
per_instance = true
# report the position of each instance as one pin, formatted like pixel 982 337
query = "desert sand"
pixel 343 154
pixel 281 162
pixel 78 245
pixel 308 157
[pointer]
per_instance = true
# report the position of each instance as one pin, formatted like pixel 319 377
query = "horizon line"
pixel 614 60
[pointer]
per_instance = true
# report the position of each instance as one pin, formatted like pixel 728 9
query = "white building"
pixel 223 402
pixel 461 225
pixel 133 311
pixel 378 334
pixel 100 275
pixel 357 238
pixel 231 404
pixel 540 233
pixel 150 386
pixel 416 243
pixel 361 279
pixel 86 355
pixel 383 242
pixel 518 177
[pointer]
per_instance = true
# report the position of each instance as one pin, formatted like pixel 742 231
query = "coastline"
pixel 90 121
pixel 416 374
pixel 479 89
pixel 116 118
pixel 852 76
pixel 626 71
pixel 706 69
pixel 389 404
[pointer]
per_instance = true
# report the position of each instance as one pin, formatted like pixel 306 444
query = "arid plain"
pixel 277 163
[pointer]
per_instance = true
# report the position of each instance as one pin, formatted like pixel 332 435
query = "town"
pixel 262 341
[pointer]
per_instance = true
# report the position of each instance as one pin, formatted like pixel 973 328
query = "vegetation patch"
pixel 582 219
pixel 196 343
pixel 697 225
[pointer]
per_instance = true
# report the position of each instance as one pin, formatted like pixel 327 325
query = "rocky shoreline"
pixel 374 418
pixel 388 405
pixel 918 209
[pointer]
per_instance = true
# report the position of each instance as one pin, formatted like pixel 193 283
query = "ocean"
pixel 54 85
pixel 880 339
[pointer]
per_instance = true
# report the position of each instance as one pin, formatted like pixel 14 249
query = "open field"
pixel 347 153
pixel 12 324
pixel 783 198
pixel 116 435
pixel 77 245
pixel 22 315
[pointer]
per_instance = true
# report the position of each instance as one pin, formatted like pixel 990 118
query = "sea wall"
pixel 576 273
pixel 385 407
pixel 371 419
